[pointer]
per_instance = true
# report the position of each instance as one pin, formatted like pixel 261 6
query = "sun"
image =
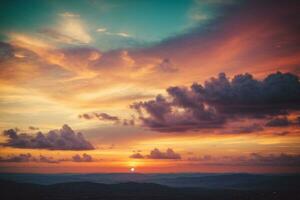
pixel 132 169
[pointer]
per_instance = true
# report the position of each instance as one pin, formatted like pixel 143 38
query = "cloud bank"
pixel 255 159
pixel 218 100
pixel 62 139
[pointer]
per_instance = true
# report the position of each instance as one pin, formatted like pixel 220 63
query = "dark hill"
pixel 131 191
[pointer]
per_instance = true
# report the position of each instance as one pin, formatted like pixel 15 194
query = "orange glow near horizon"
pixel 199 94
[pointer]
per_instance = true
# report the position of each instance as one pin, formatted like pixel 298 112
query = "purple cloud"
pixel 63 139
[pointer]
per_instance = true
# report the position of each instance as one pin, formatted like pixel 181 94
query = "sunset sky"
pixel 160 86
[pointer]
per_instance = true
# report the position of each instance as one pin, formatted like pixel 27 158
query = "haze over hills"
pixel 131 190
pixel 211 181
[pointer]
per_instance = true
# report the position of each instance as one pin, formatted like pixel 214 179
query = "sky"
pixel 158 86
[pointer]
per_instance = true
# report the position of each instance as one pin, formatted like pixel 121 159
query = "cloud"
pixel 33 128
pixel 169 154
pixel 244 94
pixel 107 117
pixel 157 154
pixel 48 159
pixel 29 158
pixel 17 158
pixel 106 32
pixel 167 66
pixel 278 122
pixel 127 122
pixel 101 30
pixel 59 37
pixel 84 158
pixel 251 128
pixel 63 139
pixel 218 100
pixel 70 29
pixel 180 112
pixel 99 116
pixel 271 159
pixel 137 156
pixel 123 34
pixel 255 159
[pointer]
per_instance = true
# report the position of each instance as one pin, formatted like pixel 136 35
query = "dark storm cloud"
pixel 245 95
pixel 63 139
pixel 158 115
pixel 84 158
pixel 157 154
pixel 219 99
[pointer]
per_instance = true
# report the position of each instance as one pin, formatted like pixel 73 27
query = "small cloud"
pixel 128 122
pixel 101 30
pixel 169 154
pixel 99 116
pixel 167 66
pixel 105 31
pixel 137 156
pixel 33 128
pixel 122 34
pixel 84 158
pixel 157 154
pixel 245 129
pixel 108 118
pixel 48 159
pixel 278 122
pixel 19 55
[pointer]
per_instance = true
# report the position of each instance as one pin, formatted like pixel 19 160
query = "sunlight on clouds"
pixel 75 29
pixel 54 72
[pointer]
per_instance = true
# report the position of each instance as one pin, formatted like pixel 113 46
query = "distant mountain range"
pixel 132 191
pixel 209 181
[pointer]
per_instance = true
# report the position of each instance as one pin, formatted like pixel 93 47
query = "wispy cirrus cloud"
pixel 105 31
pixel 70 29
